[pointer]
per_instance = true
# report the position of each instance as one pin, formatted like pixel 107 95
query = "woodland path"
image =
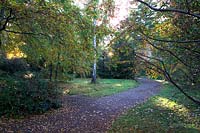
pixel 84 114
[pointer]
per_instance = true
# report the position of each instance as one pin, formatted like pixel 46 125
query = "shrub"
pixel 13 65
pixel 21 97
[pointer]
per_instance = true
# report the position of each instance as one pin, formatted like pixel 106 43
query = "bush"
pixel 21 97
pixel 13 65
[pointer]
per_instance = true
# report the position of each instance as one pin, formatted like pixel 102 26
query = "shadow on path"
pixel 84 114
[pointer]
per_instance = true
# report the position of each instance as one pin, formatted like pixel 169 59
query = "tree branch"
pixel 174 55
pixel 168 51
pixel 25 33
pixel 7 19
pixel 175 41
pixel 188 5
pixel 167 75
pixel 169 10
pixel 171 41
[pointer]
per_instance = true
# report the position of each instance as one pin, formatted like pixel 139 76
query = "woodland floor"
pixel 84 114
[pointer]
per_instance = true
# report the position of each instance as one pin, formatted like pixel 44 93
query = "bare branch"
pixel 175 41
pixel 168 51
pixel 168 76
pixel 170 10
pixel 3 27
pixel 174 55
pixel 172 41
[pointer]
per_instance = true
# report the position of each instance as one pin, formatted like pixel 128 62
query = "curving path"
pixel 84 114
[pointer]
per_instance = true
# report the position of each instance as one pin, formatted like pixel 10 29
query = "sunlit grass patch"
pixel 169 111
pixel 103 87
pixel 171 105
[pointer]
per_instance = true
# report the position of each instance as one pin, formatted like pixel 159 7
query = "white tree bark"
pixel 94 71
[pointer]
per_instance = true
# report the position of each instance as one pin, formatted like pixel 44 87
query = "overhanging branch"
pixel 163 70
pixel 170 10
pixel 25 33
pixel 171 41
pixel 3 27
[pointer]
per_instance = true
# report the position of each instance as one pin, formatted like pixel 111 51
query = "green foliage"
pixel 55 39
pixel 50 33
pixel 19 97
pixel 103 87
pixel 169 111
pixel 164 35
pixel 13 65
pixel 118 62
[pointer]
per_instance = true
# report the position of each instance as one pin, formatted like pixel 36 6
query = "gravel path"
pixel 84 114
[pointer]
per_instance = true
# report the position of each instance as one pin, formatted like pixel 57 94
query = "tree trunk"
pixel 103 62
pixel 94 76
pixel 57 66
pixel 50 71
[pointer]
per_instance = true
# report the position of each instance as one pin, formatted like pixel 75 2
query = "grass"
pixel 104 87
pixel 169 111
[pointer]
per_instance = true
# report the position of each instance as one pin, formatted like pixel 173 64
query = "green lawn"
pixel 169 111
pixel 104 87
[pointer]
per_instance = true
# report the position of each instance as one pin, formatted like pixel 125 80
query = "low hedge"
pixel 19 97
